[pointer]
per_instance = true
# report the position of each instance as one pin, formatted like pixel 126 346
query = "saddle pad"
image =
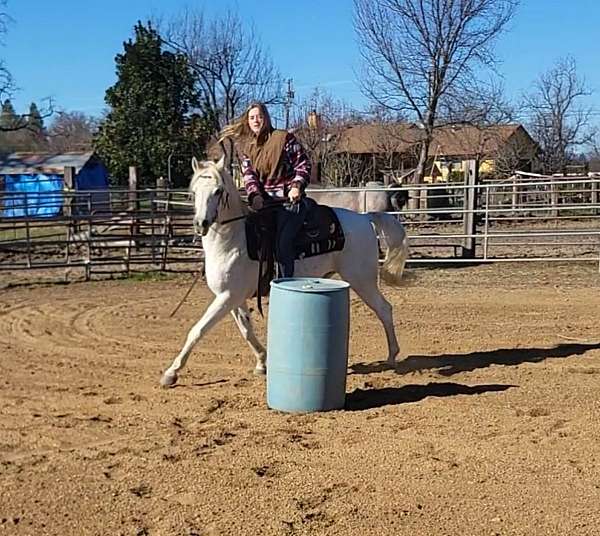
pixel 321 233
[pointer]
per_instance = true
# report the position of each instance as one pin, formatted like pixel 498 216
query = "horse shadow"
pixel 359 399
pixel 450 364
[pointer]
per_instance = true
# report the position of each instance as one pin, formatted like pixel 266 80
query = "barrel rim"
pixel 309 284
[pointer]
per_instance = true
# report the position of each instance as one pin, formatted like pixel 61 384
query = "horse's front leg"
pixel 244 323
pixel 220 306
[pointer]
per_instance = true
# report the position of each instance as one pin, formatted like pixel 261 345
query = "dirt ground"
pixel 488 426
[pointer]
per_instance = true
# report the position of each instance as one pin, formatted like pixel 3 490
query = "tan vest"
pixel 265 155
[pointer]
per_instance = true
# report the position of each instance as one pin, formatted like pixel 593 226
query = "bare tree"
pixel 319 121
pixel 394 143
pixel 72 131
pixel 231 67
pixel 7 85
pixel 559 121
pixel 419 54
pixel 483 105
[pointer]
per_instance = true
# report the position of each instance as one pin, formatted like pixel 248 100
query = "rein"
pixel 269 207
pixel 233 219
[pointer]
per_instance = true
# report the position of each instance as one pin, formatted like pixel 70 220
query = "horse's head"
pixel 210 193
pixel 398 199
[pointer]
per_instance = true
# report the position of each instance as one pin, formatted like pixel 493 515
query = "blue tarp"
pixel 92 178
pixel 41 195
pixel 32 195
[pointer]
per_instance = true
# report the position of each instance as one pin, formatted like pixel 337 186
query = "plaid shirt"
pixel 296 171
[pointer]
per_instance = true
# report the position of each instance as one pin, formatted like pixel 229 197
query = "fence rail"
pixel 545 220
pixel 141 230
pixel 128 232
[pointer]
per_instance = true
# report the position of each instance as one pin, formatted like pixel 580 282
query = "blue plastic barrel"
pixel 307 344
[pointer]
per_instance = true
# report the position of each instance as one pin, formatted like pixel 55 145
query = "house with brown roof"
pixel 497 148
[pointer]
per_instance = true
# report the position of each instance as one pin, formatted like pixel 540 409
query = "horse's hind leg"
pixel 371 295
pixel 219 307
pixel 244 323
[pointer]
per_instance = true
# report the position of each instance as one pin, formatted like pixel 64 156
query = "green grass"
pixel 9 232
pixel 149 276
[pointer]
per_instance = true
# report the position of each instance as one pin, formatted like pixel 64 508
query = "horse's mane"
pixel 200 173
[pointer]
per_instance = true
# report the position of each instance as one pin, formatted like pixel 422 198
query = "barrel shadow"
pixel 360 399
pixel 449 364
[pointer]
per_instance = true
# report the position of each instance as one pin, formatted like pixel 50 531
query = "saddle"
pixel 321 233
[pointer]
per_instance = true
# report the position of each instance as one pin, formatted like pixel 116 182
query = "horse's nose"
pixel 201 226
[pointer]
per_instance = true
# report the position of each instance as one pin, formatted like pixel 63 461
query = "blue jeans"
pixel 288 220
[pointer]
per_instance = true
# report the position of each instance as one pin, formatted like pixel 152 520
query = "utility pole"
pixel 289 97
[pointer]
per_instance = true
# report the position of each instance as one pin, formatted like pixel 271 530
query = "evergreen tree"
pixel 35 133
pixel 14 136
pixel 9 120
pixel 35 122
pixel 149 116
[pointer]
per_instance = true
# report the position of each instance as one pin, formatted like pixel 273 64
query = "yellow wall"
pixel 486 166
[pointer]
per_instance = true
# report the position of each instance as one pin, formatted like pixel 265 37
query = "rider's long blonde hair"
pixel 240 129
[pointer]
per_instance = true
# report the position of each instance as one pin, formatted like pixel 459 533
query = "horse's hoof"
pixel 260 371
pixel 168 380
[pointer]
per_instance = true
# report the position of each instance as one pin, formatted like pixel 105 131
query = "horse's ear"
pixel 221 163
pixel 195 164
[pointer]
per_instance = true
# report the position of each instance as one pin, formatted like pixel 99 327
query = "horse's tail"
pixel 396 240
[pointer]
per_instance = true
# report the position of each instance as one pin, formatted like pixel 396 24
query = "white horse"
pixel 384 199
pixel 232 276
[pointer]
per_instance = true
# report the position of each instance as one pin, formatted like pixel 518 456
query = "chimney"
pixel 314 121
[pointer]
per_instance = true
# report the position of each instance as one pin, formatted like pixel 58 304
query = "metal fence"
pixel 129 231
pixel 545 220
pixel 142 230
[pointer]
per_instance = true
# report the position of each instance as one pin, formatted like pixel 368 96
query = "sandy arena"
pixel 488 426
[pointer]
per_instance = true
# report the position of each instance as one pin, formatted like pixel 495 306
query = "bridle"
pixel 223 202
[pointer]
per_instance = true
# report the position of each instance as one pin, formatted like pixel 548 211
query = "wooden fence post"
pixel 424 201
pixel 67 208
pixel 160 185
pixel 159 212
pixel 68 189
pixel 133 205
pixel 594 194
pixel 132 194
pixel 68 186
pixel 554 198
pixel 470 205
pixel 515 196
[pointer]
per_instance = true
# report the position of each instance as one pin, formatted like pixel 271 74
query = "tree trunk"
pixel 423 156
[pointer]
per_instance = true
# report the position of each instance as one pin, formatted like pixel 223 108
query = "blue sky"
pixel 65 49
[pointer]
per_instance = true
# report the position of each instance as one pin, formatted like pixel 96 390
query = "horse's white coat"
pixel 232 276
pixel 356 199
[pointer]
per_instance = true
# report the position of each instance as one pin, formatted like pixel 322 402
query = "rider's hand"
pixel 257 202
pixel 294 194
